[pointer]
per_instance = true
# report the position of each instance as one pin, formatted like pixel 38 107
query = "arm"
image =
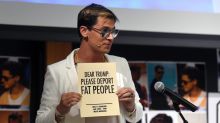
pixel 55 101
pixel 133 111
pixel 49 99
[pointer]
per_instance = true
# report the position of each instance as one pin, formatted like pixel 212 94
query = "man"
pixel 158 101
pixel 191 89
pixel 15 92
pixel 60 97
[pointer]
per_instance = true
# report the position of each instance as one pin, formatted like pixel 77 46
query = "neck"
pixel 17 89
pixel 195 92
pixel 86 57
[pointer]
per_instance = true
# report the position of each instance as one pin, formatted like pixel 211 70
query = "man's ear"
pixel 84 31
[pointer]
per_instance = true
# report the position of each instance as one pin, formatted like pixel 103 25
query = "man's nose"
pixel 110 36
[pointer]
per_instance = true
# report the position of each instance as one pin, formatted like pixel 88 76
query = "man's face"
pixel 159 74
pixel 96 40
pixel 7 79
pixel 187 84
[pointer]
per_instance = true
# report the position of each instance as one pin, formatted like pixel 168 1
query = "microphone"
pixel 159 87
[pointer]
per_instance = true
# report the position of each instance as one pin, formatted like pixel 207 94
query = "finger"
pixel 70 103
pixel 74 93
pixel 131 93
pixel 70 99
pixel 122 91
pixel 126 99
pixel 125 92
pixel 73 102
pixel 127 96
pixel 71 95
pixel 74 99
pixel 65 96
pixel 130 90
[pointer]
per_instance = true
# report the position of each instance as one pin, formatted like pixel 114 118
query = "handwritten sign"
pixel 97 84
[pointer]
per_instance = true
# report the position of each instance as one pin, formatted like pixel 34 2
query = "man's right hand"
pixel 67 101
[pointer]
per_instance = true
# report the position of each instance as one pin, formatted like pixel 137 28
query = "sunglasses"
pixel 105 32
pixel 160 72
pixel 185 82
pixel 6 78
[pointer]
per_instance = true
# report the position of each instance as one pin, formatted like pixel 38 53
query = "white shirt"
pixel 20 99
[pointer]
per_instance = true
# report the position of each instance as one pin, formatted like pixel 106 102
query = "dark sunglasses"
pixel 160 72
pixel 6 78
pixel 185 82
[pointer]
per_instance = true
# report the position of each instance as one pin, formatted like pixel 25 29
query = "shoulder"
pixel 56 69
pixel 113 58
pixel 121 63
pixel 5 94
pixel 58 64
pixel 26 100
pixel 4 98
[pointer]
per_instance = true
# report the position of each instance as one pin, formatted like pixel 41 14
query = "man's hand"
pixel 126 97
pixel 67 101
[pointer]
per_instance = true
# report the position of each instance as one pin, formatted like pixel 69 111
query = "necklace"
pixel 77 59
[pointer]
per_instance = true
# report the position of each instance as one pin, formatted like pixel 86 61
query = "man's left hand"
pixel 127 97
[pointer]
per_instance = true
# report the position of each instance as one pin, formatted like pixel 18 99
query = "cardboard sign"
pixel 97 84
